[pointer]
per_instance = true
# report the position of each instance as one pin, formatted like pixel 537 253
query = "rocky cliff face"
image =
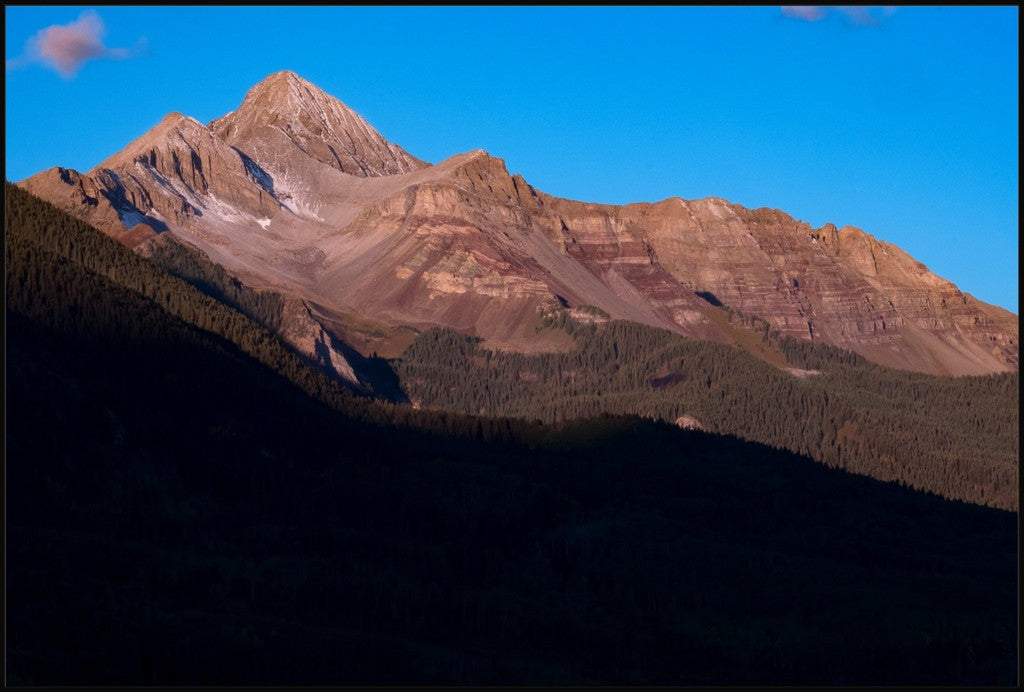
pixel 177 175
pixel 295 192
pixel 285 119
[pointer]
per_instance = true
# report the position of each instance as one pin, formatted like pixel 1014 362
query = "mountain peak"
pixel 285 112
pixel 175 120
pixel 284 74
pixel 174 131
pixel 285 89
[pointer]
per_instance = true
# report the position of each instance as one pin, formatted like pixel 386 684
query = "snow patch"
pixel 290 194
pixel 263 222
pixel 172 186
pixel 224 210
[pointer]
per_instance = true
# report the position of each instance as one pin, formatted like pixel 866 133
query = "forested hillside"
pixel 957 437
pixel 188 503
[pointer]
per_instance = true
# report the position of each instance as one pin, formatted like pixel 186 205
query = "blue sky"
pixel 902 121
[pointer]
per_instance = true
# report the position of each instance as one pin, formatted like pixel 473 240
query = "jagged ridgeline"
pixel 954 436
pixel 181 511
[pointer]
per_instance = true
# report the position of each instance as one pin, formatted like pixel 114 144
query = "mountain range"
pixel 366 245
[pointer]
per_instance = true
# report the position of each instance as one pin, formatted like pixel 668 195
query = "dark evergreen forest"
pixel 187 502
pixel 953 436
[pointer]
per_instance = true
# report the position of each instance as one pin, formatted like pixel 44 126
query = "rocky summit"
pixel 296 193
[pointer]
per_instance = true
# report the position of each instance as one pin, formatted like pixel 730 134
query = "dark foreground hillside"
pixel 180 512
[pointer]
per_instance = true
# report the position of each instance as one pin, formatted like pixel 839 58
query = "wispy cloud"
pixel 853 15
pixel 808 13
pixel 66 47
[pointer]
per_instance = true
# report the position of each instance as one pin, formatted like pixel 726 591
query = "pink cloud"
pixel 854 15
pixel 67 47
pixel 808 13
pixel 858 15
